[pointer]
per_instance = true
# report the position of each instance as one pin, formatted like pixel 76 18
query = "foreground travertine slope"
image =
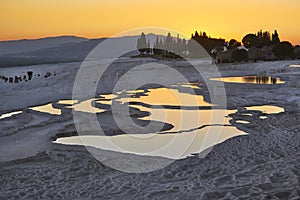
pixel 261 165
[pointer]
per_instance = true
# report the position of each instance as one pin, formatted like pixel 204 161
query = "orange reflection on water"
pixel 250 79
pixel 172 97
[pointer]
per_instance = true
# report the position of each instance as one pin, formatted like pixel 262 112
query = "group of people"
pixel 18 79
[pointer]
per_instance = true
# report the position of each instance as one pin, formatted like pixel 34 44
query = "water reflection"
pixel 193 85
pixel 167 96
pixel 242 122
pixel 67 102
pixel 48 108
pixel 173 146
pixel 6 115
pixel 250 79
pixel 267 109
pixel 184 120
pixel 194 129
pixel 294 65
pixel 86 106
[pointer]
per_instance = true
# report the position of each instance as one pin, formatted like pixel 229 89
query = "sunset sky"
pixel 101 18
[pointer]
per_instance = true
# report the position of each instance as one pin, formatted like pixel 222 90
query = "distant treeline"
pixel 168 46
pixel 254 47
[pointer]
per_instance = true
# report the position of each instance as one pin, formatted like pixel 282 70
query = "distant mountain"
pixel 70 50
pixel 22 46
pixel 61 49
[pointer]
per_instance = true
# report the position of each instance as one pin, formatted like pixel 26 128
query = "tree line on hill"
pixel 254 47
pixel 168 47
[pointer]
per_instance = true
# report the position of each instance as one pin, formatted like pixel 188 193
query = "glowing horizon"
pixel 31 19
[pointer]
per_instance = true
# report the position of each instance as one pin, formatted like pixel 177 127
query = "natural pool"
pixel 194 129
pixel 197 124
pixel 250 79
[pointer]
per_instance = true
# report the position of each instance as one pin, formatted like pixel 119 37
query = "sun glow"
pixel 94 18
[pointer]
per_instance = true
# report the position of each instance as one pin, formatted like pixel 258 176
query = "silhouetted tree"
pixel 263 39
pixel 184 45
pixel 169 47
pixel 283 50
pixel 297 51
pixel 240 55
pixel 233 44
pixel 148 50
pixel 169 43
pixel 275 37
pixel 256 54
pixel 260 39
pixel 206 42
pixel 250 40
pixel 142 44
pixel 194 49
pixel 179 46
pixel 157 46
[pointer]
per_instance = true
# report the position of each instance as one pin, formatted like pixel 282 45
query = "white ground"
pixel 262 164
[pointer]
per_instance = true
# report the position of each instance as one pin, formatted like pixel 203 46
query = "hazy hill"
pixel 21 46
pixel 59 49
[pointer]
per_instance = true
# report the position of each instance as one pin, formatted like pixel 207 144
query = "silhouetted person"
pixel 16 79
pixel 29 73
pixel 47 74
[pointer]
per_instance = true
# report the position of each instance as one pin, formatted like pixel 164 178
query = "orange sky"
pixel 98 18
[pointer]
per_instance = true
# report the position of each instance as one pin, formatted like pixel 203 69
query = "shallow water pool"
pixel 250 80
pixel 194 130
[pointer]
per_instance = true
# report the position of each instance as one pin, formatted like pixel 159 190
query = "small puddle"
pixel 48 108
pixel 173 146
pixel 67 102
pixel 6 115
pixel 242 122
pixel 86 106
pixel 267 109
pixel 294 65
pixel 193 85
pixel 250 79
